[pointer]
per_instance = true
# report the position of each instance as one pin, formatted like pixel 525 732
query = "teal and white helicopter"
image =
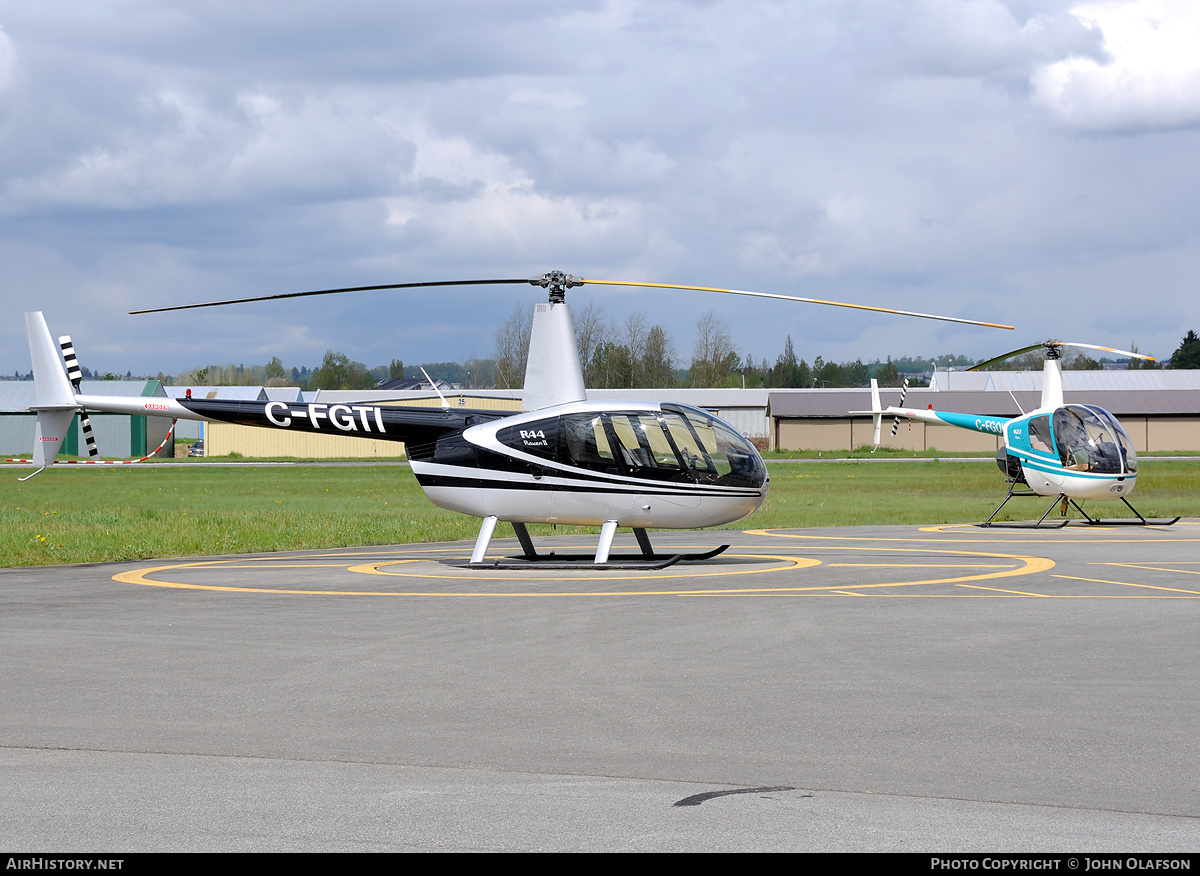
pixel 1070 452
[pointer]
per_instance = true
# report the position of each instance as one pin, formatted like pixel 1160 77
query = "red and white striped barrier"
pixel 153 452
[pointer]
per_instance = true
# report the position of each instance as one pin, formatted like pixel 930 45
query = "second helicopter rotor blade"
pixel 1107 350
pixel 997 359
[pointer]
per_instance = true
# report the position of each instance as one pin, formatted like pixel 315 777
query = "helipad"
pixel 946 688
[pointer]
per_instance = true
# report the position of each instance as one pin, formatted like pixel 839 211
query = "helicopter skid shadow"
pixel 622 562
pixel 1026 524
pixel 580 562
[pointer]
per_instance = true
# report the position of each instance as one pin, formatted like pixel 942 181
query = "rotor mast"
pixel 553 372
pixel 1052 386
pixel 557 283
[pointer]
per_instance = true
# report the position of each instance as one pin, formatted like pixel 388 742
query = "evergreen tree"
pixel 1188 353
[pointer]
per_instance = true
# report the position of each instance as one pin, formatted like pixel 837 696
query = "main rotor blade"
pixel 574 281
pixel 1107 350
pixel 998 359
pixel 796 298
pixel 521 281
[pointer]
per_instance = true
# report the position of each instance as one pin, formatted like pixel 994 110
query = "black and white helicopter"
pixel 562 459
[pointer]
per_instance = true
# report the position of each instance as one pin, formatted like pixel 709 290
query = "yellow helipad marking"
pixel 416 563
pixel 1024 565
pixel 1055 535
pixel 920 566
pixel 1030 564
pixel 999 590
pixel 1129 584
pixel 428 564
pixel 602 575
pixel 1155 568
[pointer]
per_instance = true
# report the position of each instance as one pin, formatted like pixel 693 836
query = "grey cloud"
pixel 8 62
pixel 883 153
pixel 985 37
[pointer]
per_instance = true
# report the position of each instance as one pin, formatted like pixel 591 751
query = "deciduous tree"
pixel 713 357
pixel 512 347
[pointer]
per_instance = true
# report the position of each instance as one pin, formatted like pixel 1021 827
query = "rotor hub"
pixel 557 283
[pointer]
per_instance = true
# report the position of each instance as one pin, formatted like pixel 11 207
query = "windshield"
pixel 1089 438
pixel 718 453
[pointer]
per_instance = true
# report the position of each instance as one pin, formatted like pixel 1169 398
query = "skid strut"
pixel 1062 501
pixel 602 559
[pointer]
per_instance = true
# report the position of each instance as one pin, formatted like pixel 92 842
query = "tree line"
pixel 635 354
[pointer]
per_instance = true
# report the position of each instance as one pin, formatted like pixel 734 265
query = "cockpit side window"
pixel 587 442
pixel 691 450
pixel 1039 435
pixel 645 448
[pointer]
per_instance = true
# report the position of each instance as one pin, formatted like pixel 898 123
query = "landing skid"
pixel 1141 521
pixel 1061 502
pixel 531 559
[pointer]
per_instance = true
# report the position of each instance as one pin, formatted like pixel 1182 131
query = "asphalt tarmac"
pixel 879 689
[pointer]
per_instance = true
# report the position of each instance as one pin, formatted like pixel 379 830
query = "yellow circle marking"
pixel 1024 565
pixel 1034 537
pixel 140 576
pixel 1099 533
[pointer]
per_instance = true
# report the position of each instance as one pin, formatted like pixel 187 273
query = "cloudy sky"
pixel 1025 162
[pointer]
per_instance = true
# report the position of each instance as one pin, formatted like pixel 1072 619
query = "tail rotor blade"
pixel 903 393
pixel 75 375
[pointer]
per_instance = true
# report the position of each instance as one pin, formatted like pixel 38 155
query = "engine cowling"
pixel 1010 465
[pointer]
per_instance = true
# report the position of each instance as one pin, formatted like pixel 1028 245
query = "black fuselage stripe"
pixel 651 490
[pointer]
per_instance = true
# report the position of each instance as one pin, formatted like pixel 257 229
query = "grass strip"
pixel 87 515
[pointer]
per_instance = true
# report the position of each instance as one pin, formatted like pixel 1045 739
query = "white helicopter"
pixel 1068 451
pixel 561 460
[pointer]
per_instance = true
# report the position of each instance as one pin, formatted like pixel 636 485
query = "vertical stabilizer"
pixel 876 412
pixel 49 376
pixel 55 405
pixel 553 375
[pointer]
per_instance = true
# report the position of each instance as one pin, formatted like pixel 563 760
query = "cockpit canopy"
pixel 679 443
pixel 1089 438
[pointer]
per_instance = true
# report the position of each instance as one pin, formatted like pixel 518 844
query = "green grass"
pixel 928 492
pixel 868 453
pixel 76 515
